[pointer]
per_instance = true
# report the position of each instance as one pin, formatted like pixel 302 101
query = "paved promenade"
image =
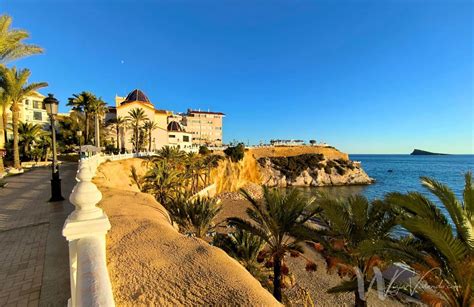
pixel 34 269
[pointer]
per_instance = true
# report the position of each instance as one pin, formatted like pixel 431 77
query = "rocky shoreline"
pixel 311 170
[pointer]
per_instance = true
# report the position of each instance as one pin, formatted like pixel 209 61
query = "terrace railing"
pixel 85 229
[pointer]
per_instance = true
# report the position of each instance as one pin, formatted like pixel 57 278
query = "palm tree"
pixel 444 241
pixel 11 42
pixel 15 85
pixel 280 220
pixel 98 108
pixel 136 116
pixel 243 246
pixel 149 127
pixel 44 145
pixel 29 134
pixel 118 123
pixel 11 48
pixel 163 181
pixel 5 102
pixel 194 216
pixel 81 103
pixel 353 229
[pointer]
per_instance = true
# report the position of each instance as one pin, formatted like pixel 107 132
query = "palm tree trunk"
pixel 277 277
pixel 2 167
pixel 149 141
pixel 117 130
pixel 136 139
pixel 47 154
pixel 97 131
pixel 358 301
pixel 5 123
pixel 87 128
pixel 15 119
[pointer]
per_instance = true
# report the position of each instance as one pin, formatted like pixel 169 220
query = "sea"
pixel 401 173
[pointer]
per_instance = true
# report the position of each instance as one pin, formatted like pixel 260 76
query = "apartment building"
pixel 32 110
pixel 205 127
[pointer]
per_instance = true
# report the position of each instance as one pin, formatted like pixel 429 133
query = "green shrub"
pixel 235 153
pixel 203 150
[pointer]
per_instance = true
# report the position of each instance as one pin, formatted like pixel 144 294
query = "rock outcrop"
pixel 311 170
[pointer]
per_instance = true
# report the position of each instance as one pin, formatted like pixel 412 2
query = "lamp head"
pixel 51 104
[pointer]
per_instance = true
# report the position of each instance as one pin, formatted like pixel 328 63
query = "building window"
pixel 36 104
pixel 27 102
pixel 185 138
pixel 172 136
pixel 37 116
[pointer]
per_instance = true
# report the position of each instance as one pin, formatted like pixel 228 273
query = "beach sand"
pixel 151 264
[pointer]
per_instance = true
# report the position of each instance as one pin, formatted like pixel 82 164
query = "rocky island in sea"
pixel 419 152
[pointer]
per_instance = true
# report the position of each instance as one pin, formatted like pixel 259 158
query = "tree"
pixel 118 124
pixel 245 247
pixel 163 181
pixel 354 228
pixel 312 142
pixel 81 103
pixel 136 117
pixel 194 216
pixel 67 132
pixel 97 107
pixel 12 46
pixel 4 104
pixel 280 220
pixel 235 153
pixel 29 135
pixel 15 82
pixel 443 244
pixel 203 150
pixel 149 126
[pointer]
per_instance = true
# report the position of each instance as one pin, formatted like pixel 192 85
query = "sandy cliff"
pixel 150 263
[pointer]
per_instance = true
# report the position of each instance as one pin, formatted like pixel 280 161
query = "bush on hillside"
pixel 292 167
pixel 235 153
pixel 203 150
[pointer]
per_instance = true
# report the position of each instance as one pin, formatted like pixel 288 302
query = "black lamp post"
pixel 51 105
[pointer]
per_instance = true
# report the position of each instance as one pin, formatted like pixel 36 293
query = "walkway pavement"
pixel 34 268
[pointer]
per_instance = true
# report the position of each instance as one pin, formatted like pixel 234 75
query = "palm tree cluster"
pixel 14 82
pixel 92 109
pixel 357 238
pixel 173 173
pixel 195 216
pixel 173 177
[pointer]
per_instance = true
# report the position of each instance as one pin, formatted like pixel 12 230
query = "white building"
pixel 32 110
pixel 178 137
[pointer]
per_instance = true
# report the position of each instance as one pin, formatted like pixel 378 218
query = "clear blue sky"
pixel 382 76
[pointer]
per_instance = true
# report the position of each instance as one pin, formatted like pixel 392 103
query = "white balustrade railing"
pixel 85 229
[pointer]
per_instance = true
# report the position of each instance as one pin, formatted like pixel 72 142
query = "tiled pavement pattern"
pixel 29 234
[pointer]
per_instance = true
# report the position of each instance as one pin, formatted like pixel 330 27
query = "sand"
pixel 151 264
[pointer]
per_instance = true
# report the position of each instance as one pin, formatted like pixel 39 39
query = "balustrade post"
pixel 87 222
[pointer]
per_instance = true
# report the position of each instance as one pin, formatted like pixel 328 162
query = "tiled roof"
pixel 175 127
pixel 136 95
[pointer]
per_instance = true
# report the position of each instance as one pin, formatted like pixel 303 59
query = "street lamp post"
pixel 51 105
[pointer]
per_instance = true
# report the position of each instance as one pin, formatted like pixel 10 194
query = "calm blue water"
pixel 406 173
